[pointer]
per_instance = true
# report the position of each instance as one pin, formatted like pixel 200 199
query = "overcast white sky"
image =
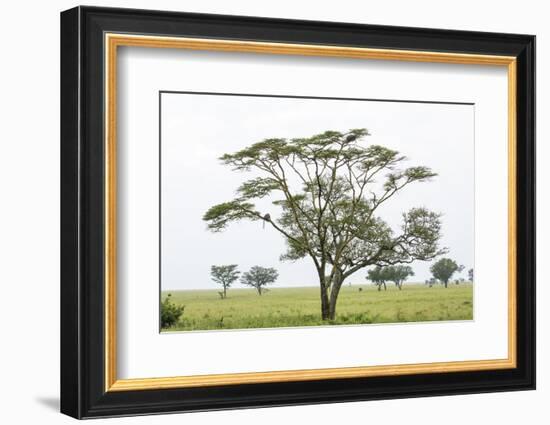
pixel 198 129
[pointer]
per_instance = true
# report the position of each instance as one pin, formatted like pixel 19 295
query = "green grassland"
pixel 286 307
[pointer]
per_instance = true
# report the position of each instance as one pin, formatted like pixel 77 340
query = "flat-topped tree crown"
pixel 259 277
pixel 224 275
pixel 328 189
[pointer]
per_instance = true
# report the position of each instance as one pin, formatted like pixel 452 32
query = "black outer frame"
pixel 82 218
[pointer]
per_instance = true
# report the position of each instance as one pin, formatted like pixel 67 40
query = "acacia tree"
pixel 225 276
pixel 329 198
pixel 258 277
pixel 378 276
pixel 398 274
pixel 444 269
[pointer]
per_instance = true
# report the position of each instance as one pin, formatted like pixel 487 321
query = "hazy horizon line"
pixel 303 286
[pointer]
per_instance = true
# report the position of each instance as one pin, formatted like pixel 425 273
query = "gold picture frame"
pixel 114 41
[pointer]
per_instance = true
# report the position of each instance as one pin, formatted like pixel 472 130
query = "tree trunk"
pixel 224 292
pixel 446 282
pixel 325 303
pixel 334 291
pixel 399 286
pixel 385 287
pixel 259 290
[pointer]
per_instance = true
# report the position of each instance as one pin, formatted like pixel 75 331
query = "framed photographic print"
pixel 261 212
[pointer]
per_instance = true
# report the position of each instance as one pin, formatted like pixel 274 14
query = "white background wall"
pixel 29 212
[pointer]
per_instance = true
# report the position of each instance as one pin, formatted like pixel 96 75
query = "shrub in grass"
pixel 170 312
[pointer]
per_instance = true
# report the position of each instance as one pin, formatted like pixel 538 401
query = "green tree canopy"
pixel 329 189
pixel 444 269
pixel 378 276
pixel 225 276
pixel 398 274
pixel 259 277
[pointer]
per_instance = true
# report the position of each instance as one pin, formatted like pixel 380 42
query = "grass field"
pixel 285 307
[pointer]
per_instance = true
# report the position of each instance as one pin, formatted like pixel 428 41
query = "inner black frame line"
pixel 285 96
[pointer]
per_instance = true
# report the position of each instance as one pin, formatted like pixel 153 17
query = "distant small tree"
pixel 444 269
pixel 398 274
pixel 170 312
pixel 258 277
pixel 378 276
pixel 471 275
pixel 225 276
